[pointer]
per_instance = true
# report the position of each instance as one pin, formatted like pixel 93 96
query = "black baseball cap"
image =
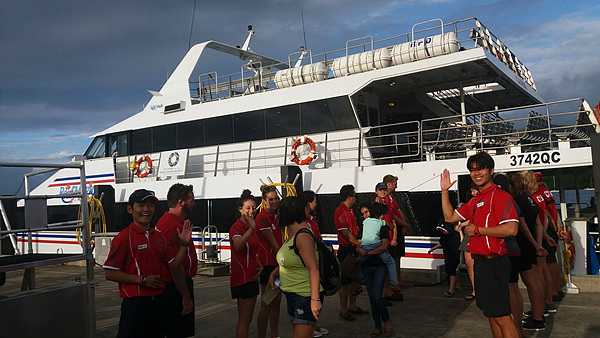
pixel 140 195
pixel 381 185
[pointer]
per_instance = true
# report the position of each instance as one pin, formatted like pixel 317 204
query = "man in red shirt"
pixel 492 217
pixel 347 230
pixel 178 296
pixel 137 257
pixel 399 250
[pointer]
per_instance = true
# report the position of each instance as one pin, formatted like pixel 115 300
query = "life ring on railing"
pixel 597 112
pixel 143 166
pixel 311 155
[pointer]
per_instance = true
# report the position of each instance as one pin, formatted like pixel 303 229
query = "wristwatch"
pixel 143 282
pixel 186 244
pixel 476 232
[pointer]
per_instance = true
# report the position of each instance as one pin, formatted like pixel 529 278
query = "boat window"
pixel 218 130
pixel 316 117
pixel 117 145
pixel 249 126
pixel 190 134
pixel 283 121
pixel 141 141
pixel 164 138
pixel 97 148
pixel 342 113
pixel 361 111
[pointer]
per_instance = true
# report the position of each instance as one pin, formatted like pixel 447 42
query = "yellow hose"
pixel 96 212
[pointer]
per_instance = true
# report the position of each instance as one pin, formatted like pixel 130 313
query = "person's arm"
pixel 539 230
pixel 501 230
pixel 540 251
pixel 239 242
pixel 259 268
pixel 306 249
pixel 185 236
pixel 381 248
pixel 272 277
pixel 270 237
pixel 151 281
pixel 179 280
pixel 450 214
pixel 349 236
pixel 437 246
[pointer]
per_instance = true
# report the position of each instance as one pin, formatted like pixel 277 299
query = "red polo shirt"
pixel 168 225
pixel 314 226
pixel 243 263
pixel 493 206
pixel 389 215
pixel 344 218
pixel 267 221
pixel 549 200
pixel 393 205
pixel 139 252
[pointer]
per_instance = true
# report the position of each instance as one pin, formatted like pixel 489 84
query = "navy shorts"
pixel 264 275
pixel 343 251
pixel 177 325
pixel 245 291
pixel 298 308
pixel 515 264
pixel 491 283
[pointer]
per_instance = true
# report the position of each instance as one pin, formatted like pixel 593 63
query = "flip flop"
pixel 469 297
pixel 375 334
pixel 449 294
pixel 389 332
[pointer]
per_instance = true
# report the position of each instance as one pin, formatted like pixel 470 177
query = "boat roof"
pixel 487 80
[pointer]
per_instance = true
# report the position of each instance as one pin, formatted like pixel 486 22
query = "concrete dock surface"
pixel 425 312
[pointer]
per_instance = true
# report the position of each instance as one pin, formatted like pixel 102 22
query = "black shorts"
pixel 175 324
pixel 141 317
pixel 526 262
pixel 515 263
pixel 245 291
pixel 264 275
pixel 491 283
pixel 343 251
pixel 451 260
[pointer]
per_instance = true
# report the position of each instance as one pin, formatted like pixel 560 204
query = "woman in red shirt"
pixel 269 240
pixel 245 266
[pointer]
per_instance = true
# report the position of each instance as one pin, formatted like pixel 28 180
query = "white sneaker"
pixel 322 330
pixel 317 334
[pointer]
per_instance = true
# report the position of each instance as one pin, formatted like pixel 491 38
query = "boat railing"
pixel 35 214
pixel 524 129
pixel 253 77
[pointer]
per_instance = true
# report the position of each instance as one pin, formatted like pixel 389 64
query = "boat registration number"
pixel 535 158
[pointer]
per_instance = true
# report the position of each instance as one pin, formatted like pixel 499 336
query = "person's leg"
pixel 505 325
pixel 390 263
pixel 262 318
pixel 452 284
pixel 274 310
pixel 547 280
pixel 303 331
pixel 555 274
pixel 535 291
pixel 516 307
pixel 370 284
pixel 351 296
pixel 469 263
pixel 245 312
pixel 343 299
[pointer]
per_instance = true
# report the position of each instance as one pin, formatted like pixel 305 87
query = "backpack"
pixel 329 267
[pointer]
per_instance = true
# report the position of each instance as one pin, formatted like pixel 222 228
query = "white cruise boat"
pixel 410 105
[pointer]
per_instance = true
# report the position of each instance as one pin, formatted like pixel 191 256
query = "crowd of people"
pixel 508 227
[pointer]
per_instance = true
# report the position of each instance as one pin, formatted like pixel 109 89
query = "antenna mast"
pixel 192 27
pixel 303 30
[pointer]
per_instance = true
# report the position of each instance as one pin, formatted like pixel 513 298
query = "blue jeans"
pixel 386 258
pixel 374 276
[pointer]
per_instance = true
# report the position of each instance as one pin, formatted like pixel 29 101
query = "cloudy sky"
pixel 69 69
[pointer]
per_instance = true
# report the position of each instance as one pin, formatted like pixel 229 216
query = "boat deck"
pixel 425 312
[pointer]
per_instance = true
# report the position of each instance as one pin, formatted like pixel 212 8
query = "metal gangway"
pixel 61 310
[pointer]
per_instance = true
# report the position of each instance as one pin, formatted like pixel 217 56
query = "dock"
pixel 425 312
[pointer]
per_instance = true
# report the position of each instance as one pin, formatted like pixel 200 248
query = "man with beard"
pixel 178 296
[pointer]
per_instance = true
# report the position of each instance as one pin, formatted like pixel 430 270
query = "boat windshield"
pixel 97 148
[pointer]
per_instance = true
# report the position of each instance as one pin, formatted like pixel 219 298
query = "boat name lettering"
pixel 420 42
pixel 73 189
pixel 535 158
pixel 156 106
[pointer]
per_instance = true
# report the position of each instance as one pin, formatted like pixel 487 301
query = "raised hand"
pixel 185 235
pixel 445 182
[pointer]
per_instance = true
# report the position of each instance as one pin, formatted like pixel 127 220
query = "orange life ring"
pixel 311 155
pixel 140 171
pixel 597 112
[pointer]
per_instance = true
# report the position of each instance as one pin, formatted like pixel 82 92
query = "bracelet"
pixel 143 282
pixel 186 244
pixel 315 299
